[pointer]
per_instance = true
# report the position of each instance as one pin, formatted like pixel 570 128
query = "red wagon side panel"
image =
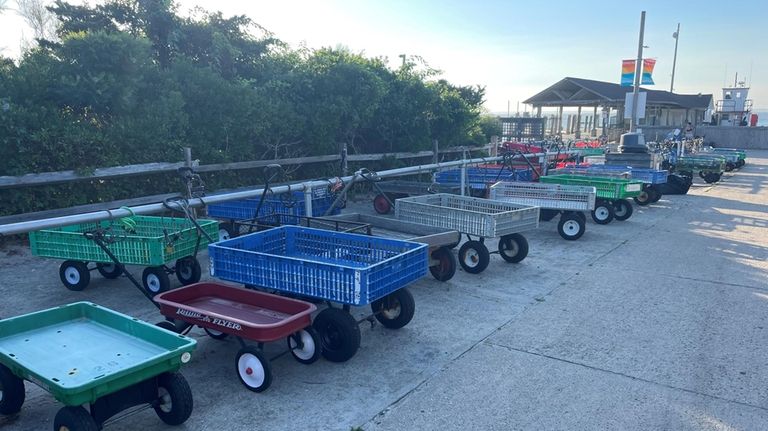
pixel 249 314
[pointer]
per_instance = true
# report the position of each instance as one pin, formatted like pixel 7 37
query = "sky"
pixel 516 49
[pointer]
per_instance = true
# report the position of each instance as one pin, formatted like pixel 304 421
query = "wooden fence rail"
pixel 50 178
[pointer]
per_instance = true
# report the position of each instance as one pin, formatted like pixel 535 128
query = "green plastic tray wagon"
pixel 149 241
pixel 83 353
pixel 612 194
pixel 709 167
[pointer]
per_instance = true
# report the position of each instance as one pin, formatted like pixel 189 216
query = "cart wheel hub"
pixel 601 213
pixel 153 283
pixel 471 257
pixel 166 403
pixel 73 276
pixel 391 311
pixel 571 227
pixel 510 248
pixel 251 370
pixel 306 350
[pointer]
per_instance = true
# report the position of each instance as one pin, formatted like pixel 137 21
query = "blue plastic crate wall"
pixel 480 177
pixel 339 267
pixel 274 204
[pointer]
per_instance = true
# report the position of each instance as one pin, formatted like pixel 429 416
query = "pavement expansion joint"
pixel 616 373
pixel 700 280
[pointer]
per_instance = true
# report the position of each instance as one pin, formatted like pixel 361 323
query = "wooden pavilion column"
pixel 578 123
pixel 594 122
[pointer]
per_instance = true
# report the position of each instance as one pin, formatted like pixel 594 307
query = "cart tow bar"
pixel 97 237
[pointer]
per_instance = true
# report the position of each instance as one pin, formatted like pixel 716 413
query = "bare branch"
pixel 42 21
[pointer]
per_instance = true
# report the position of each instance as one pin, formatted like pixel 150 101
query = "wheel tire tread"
pixel 13 391
pixel 181 398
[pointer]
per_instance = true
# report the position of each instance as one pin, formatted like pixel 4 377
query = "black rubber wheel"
pixel 474 257
pixel 655 194
pixel 395 310
pixel 581 215
pixel 622 209
pixel 174 398
pixel 227 231
pixel 729 166
pixel 188 270
pixel 513 248
pixel 446 267
pixel 167 325
pixel 74 419
pixel 547 214
pixel 155 279
pixel 712 178
pixel 11 392
pixel 74 274
pixel 305 345
pixel 109 270
pixel 603 212
pixel 644 198
pixel 381 204
pixel 571 226
pixel 339 334
pixel 253 369
pixel 216 335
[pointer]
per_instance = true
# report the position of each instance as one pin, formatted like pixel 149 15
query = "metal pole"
pixel 435 151
pixel 638 71
pixel 344 165
pixel 28 226
pixel 674 59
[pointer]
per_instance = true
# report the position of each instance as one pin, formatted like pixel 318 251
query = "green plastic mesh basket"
pixel 607 188
pixel 146 240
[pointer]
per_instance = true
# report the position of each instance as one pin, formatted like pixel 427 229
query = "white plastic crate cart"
pixel 571 202
pixel 474 217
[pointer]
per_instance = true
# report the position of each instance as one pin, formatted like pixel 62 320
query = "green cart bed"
pixel 149 241
pixel 83 353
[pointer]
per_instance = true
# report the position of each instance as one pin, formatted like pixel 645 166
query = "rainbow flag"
pixel 646 78
pixel 628 72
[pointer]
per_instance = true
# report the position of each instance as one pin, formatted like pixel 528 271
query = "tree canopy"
pixel 132 81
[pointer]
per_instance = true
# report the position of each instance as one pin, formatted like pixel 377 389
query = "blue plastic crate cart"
pixel 479 179
pixel 281 205
pixel 336 267
pixel 481 218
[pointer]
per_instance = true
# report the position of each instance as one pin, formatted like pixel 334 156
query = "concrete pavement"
pixel 658 322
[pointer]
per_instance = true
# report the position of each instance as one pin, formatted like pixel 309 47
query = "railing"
pixel 32 225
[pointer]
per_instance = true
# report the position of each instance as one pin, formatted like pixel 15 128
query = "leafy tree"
pixel 130 81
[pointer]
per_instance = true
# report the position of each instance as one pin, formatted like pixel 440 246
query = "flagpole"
pixel 674 59
pixel 638 71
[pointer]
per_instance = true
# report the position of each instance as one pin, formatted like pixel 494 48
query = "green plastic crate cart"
pixel 150 241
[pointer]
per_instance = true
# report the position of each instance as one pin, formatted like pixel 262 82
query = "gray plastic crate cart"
pixel 389 191
pixel 474 217
pixel 571 202
pixel 442 262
